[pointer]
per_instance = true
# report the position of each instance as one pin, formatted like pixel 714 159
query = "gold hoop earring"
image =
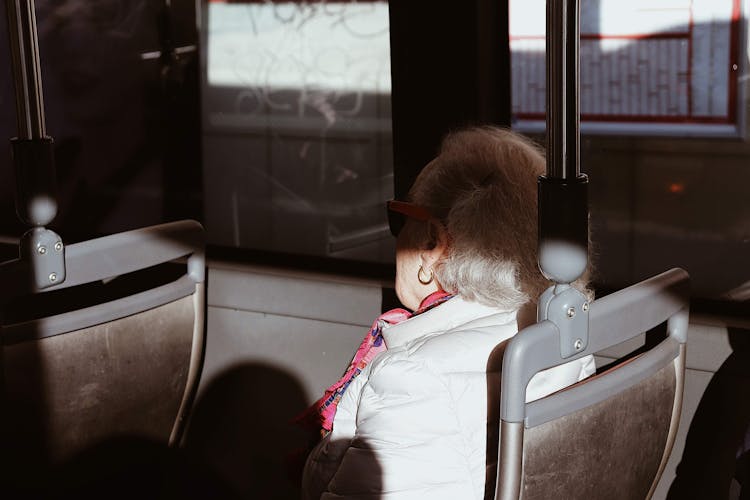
pixel 420 276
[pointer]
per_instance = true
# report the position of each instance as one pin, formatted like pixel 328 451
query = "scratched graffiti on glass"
pixel 297 127
pixel 326 52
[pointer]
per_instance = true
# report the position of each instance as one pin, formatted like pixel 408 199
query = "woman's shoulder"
pixel 457 314
pixel 461 348
pixel 467 347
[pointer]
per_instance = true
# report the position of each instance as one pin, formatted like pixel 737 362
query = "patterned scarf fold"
pixel 321 413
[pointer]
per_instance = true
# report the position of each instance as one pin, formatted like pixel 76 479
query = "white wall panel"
pixel 313 352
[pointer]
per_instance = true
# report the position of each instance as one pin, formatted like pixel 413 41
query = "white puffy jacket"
pixel 413 424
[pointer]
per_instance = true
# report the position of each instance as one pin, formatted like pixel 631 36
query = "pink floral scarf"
pixel 320 414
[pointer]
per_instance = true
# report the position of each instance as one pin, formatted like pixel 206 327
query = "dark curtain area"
pixel 450 67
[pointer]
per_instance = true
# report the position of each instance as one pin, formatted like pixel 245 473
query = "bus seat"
pixel 114 350
pixel 608 436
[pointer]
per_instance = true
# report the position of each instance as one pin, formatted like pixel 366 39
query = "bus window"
pixel 121 97
pixel 297 146
pixel 664 136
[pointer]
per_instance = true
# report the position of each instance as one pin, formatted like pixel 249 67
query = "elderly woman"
pixel 409 419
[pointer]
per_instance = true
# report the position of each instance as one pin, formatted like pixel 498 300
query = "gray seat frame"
pixel 106 258
pixel 613 319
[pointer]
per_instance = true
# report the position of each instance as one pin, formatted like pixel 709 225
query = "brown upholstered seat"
pixel 608 436
pixel 113 351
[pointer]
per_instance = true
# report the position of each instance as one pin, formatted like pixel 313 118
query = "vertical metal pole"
pixel 27 75
pixel 563 111
pixel 33 154
pixel 563 198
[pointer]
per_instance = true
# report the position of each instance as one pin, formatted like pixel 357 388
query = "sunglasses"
pixel 398 211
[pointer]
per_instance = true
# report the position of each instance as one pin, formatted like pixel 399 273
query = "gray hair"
pixel 482 187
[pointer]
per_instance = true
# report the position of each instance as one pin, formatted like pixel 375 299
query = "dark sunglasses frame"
pixel 398 211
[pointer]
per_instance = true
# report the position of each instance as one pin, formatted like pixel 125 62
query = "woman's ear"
pixel 438 245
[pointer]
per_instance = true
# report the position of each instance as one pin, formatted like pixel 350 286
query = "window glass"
pixel 667 66
pixel 664 140
pixel 297 147
pixel 121 96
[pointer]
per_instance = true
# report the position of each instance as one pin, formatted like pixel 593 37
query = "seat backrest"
pixel 115 350
pixel 608 436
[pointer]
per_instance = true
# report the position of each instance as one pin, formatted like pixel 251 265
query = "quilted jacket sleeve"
pixel 407 443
